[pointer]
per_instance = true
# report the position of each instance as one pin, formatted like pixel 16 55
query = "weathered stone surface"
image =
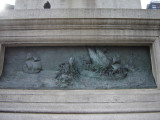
pixel 63 27
pixel 38 4
pixel 90 13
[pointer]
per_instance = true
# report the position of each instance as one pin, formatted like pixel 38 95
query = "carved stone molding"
pixel 83 27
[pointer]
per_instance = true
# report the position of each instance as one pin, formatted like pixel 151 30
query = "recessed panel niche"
pixel 74 68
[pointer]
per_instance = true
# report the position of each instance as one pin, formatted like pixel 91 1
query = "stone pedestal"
pixel 80 27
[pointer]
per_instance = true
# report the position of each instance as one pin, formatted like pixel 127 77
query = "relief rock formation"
pixel 32 64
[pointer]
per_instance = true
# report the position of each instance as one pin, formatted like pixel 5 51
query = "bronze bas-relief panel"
pixel 77 68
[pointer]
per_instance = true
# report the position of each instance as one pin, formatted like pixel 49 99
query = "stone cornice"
pixel 79 26
pixel 80 19
pixel 81 13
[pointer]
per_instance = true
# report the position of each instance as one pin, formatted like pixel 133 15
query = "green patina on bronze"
pixel 77 68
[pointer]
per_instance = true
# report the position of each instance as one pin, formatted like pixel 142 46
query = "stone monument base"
pixel 84 28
